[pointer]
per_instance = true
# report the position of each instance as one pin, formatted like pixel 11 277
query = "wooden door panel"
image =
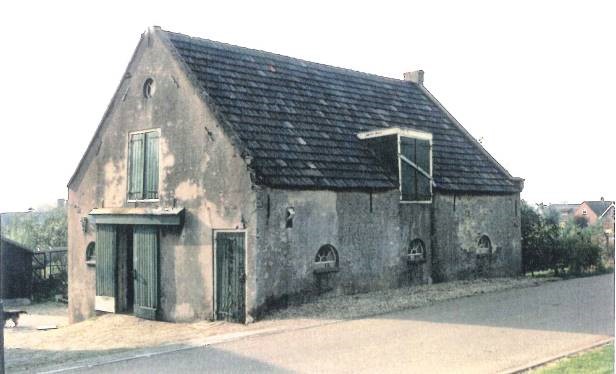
pixel 145 274
pixel 230 276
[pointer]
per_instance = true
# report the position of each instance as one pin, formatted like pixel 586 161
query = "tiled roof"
pixel 599 207
pixel 299 120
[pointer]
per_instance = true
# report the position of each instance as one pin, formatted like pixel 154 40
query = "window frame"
pixel 411 134
pixel 130 134
pixel 483 251
pixel 415 260
pixel 324 266
pixel 91 257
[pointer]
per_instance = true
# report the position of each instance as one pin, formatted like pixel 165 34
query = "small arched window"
pixel 417 250
pixel 91 254
pixel 326 258
pixel 484 246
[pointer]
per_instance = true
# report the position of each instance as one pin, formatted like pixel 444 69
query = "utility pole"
pixel 1 300
pixel 1 337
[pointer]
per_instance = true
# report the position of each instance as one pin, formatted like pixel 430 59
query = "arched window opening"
pixel 91 254
pixel 484 246
pixel 417 250
pixel 326 258
pixel 148 88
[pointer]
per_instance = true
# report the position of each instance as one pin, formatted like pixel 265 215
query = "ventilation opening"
pixel 148 88
pixel 289 218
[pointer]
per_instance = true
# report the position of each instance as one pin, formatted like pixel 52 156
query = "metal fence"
pixel 49 273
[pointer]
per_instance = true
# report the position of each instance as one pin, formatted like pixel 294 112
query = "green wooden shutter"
pixel 145 263
pixel 105 268
pixel 415 185
pixel 151 165
pixel 239 278
pixel 135 175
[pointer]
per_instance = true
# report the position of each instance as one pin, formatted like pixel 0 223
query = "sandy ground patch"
pixel 28 348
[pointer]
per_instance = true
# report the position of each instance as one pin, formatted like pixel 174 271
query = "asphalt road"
pixel 481 334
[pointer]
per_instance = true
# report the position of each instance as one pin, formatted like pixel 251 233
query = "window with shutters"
pixel 143 172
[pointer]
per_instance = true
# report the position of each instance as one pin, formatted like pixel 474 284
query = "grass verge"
pixel 598 360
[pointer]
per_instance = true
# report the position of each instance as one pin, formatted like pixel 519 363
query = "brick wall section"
pixel 590 214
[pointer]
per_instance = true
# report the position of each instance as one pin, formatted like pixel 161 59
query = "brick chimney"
pixel 416 76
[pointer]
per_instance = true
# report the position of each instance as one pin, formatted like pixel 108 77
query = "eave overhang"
pixel 138 216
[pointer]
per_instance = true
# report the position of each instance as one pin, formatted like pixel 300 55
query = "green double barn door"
pixel 230 276
pixel 144 264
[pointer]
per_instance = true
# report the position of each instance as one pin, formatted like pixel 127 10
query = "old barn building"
pixel 222 180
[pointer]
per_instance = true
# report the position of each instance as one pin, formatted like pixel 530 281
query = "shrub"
pixel 539 241
pixel 572 249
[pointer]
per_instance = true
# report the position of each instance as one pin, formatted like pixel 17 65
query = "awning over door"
pixel 137 216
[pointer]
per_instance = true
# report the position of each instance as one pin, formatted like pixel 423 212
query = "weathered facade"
pixel 224 180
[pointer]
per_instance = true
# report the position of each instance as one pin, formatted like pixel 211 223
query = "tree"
pixel 39 230
pixel 539 238
pixel 581 221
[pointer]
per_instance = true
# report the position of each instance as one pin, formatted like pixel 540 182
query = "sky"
pixel 534 80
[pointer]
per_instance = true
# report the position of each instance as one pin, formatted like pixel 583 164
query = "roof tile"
pixel 299 119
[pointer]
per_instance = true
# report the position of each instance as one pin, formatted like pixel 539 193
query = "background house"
pixel 601 212
pixel 594 210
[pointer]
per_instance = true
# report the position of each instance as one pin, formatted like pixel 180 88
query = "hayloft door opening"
pixel 230 276
pixel 145 273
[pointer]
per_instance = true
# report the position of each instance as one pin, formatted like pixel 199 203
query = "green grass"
pixel 599 360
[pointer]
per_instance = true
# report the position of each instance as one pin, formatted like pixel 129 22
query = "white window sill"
pixel 143 201
pixel 416 202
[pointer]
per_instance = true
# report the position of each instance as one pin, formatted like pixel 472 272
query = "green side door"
pixel 145 274
pixel 230 276
pixel 106 268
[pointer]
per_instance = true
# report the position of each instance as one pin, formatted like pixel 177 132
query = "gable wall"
pixel 200 171
pixel 591 216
